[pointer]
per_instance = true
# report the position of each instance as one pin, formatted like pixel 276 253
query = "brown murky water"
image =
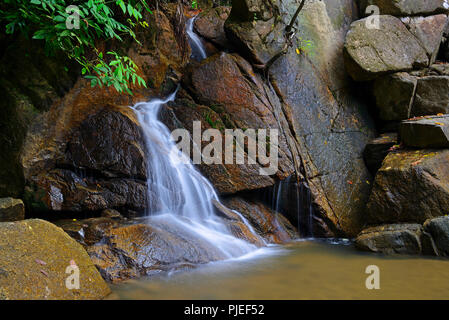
pixel 302 270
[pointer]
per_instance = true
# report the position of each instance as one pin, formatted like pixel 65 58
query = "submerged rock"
pixel 370 53
pixel 411 186
pixel 376 151
pixel 145 249
pixel 391 239
pixel 429 132
pixel 35 256
pixel 11 209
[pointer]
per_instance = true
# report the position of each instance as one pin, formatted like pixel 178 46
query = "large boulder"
pixel 391 239
pixel 86 164
pixel 35 257
pixel 411 186
pixel 210 25
pixel 438 228
pixel 370 53
pixel 407 7
pixel 428 132
pixel 11 209
pixel 324 114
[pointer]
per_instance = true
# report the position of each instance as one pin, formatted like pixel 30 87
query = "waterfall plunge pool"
pixel 299 270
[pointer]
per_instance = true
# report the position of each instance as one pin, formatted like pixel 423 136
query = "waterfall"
pixel 198 51
pixel 180 199
pixel 179 196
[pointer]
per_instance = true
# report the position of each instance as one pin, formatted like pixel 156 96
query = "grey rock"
pixel 439 229
pixel 370 53
pixel 407 7
pixel 431 132
pixel 391 239
pixel 429 32
pixel 395 95
pixel 432 96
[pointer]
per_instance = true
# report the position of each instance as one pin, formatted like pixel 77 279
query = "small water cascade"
pixel 295 201
pixel 198 50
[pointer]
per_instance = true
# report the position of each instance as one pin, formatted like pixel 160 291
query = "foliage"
pixel 305 46
pixel 75 28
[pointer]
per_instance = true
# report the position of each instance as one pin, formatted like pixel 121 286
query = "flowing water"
pixel 179 196
pixel 198 50
pixel 301 270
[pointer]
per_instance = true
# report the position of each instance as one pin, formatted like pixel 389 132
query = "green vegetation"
pixel 76 27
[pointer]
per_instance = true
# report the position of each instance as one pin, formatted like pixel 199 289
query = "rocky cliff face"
pixel 326 122
pixel 404 61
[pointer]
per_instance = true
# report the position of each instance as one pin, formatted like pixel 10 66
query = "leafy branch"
pixel 92 21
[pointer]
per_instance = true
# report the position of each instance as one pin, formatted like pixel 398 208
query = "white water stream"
pixel 179 196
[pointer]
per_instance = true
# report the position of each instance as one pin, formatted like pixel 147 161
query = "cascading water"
pixel 295 201
pixel 198 51
pixel 180 198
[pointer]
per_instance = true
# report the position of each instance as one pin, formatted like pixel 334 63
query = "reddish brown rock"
pixel 210 25
pixel 270 225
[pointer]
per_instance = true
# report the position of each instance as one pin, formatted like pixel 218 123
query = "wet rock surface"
pixel 100 166
pixel 227 94
pixel 35 255
pixel 272 226
pixel 428 132
pixel 438 228
pixel 391 239
pixel 11 209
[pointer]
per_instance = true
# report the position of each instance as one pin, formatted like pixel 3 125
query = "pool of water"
pixel 300 270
